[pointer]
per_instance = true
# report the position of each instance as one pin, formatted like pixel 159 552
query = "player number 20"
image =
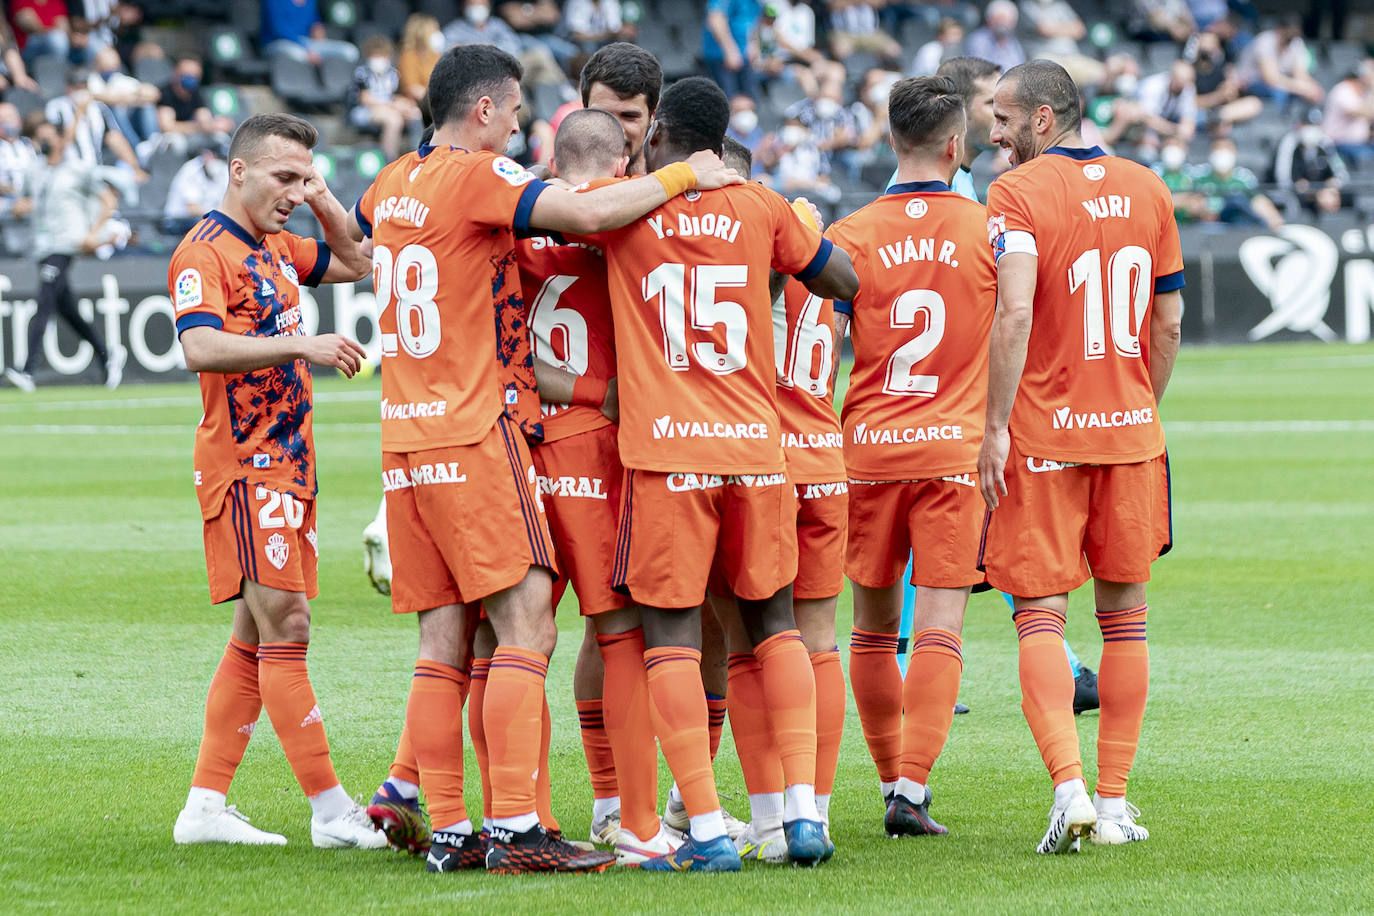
pixel 902 377
pixel 1128 289
pixel 691 297
pixel 412 277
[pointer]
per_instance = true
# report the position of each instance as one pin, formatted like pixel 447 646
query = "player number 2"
pixel 677 306
pixel 902 379
pixel 546 317
pixel 805 355
pixel 1128 291
pixel 412 276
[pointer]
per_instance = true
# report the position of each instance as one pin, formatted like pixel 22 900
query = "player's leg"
pixel 588 692
pixel 51 275
pixel 231 713
pixel 377 551
pixel 483 646
pixel 112 362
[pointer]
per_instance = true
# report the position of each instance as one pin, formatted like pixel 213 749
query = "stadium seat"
pixel 50 73
pixel 246 15
pixel 548 98
pixel 297 82
pixel 443 10
pixel 224 100
pixel 341 13
pixel 230 56
pixel 326 161
pixel 876 173
pixel 24 100
pixel 336 79
pixel 392 14
pixel 914 34
pixel 368 162
pixel 155 70
pixel 367 29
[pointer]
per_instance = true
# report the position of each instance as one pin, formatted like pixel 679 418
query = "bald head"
pixel 590 144
pixel 1041 82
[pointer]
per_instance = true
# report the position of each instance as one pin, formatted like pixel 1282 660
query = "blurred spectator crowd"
pixel 1252 112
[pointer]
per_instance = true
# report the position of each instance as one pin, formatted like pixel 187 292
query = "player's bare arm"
pixel 559 386
pixel 209 349
pixel 837 279
pixel 1166 319
pixel 1011 328
pixel 616 205
pixel 347 261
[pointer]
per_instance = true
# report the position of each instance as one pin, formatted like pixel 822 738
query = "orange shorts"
pixel 937 521
pixel 1060 523
pixel 265 537
pixel 822 523
pixel 580 479
pixel 465 522
pixel 674 528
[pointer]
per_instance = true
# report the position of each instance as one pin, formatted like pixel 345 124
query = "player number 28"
pixel 412 277
pixel 1128 290
pixel 678 306
pixel 902 379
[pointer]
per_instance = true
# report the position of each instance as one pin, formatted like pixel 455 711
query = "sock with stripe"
pixel 231 712
pixel 716 708
pixel 789 689
pixel 630 731
pixel 405 771
pixel 677 707
pixel 831 698
pixel 877 684
pixel 434 721
pixel 1047 691
pixel 1123 685
pixel 596 746
pixel 753 730
pixel 477 731
pixel 543 789
pixel 512 712
pixel 928 697
pixel 289 699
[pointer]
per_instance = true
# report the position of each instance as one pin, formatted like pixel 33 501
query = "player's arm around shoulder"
pixel 348 262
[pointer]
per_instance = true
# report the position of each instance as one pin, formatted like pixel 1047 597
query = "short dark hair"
pixel 250 134
pixel 965 72
pixel 921 110
pixel 33 121
pixel 1043 82
pixel 627 70
pixel 695 113
pixel 464 74
pixel 589 138
pixel 737 156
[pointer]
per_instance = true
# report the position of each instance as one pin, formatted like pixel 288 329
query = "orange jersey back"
pixel 455 344
pixel 564 285
pixel 1104 232
pixel 256 425
pixel 804 341
pixel 694 328
pixel 917 398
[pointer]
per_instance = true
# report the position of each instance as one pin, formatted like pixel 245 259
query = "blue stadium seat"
pixel 296 82
pixel 50 73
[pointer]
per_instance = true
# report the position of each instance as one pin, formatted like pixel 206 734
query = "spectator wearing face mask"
pixel 1222 100
pixel 854 26
pixel 996 39
pixel 1173 170
pixel 802 166
pixel 1307 166
pixel 89 127
pixel 1232 191
pixel 1168 105
pixel 133 103
pixel 196 188
pixel 17 159
pixel 376 97
pixel 421 45
pixel 744 128
pixel 1276 65
pixel 182 112
pixel 782 46
pixel 833 127
pixel 479 27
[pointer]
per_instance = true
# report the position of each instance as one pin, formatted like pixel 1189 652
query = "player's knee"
pixel 293 621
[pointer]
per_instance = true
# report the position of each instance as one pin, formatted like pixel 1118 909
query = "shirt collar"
pixel 1092 152
pixel 918 187
pixel 234 228
pixel 426 148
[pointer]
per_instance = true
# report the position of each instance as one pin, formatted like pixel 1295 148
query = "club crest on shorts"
pixel 277 550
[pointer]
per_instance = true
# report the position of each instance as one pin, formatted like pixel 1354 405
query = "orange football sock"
pixel 231 711
pixel 928 697
pixel 1123 685
pixel 543 790
pixel 405 765
pixel 284 684
pixel 477 731
pixel 789 690
pixel 677 707
pixel 749 723
pixel 877 684
pixel 625 705
pixel 716 708
pixel 1047 691
pixel 511 712
pixel 596 745
pixel 831 697
pixel 434 724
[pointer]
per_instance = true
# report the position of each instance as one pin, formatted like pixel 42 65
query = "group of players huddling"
pixel 625 384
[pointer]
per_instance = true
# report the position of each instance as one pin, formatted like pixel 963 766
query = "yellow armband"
pixel 676 178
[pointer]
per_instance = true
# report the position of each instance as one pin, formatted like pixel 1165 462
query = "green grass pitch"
pixel 1253 775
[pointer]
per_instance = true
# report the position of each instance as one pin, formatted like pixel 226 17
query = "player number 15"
pixel 678 306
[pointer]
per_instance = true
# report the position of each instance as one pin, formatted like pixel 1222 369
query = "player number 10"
pixel 677 306
pixel 413 276
pixel 1129 286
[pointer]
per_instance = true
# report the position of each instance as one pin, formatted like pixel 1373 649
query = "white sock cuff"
pixel 330 803
pixel 204 798
pixel 706 827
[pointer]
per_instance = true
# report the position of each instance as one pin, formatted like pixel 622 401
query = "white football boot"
pixel 766 845
pixel 1116 822
pixel 606 830
pixel 1068 824
pixel 351 829
pixel 220 824
pixel 631 850
pixel 377 555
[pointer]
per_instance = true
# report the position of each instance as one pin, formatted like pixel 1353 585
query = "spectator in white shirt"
pixel 1168 105
pixel 133 103
pixel 377 99
pixel 1349 113
pixel 948 42
pixel 89 127
pixel 196 189
pixel 17 159
pixel 1277 65
pixel 592 23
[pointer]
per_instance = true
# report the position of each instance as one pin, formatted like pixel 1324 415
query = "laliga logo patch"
pixel 277 550
pixel 1094 172
pixel 188 289
pixel 511 171
pixel 916 208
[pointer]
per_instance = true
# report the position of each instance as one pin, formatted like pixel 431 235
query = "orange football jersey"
pixel 256 425
pixel 455 344
pixel 1104 233
pixel 917 398
pixel 694 328
pixel 804 340
pixel 564 286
